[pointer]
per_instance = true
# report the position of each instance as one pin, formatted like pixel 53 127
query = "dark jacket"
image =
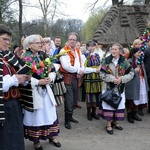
pixel 147 61
pixel 132 88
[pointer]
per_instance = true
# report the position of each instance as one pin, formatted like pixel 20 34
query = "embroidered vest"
pixel 13 92
pixel 72 59
pixel 67 75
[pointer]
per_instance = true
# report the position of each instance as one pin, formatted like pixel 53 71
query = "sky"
pixel 76 9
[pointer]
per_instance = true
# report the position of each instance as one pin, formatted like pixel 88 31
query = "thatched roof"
pixel 122 24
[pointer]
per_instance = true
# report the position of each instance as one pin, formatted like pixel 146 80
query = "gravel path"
pixel 91 135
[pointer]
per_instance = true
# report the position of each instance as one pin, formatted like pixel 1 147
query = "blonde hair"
pixel 46 40
pixel 135 42
pixel 22 41
pixel 148 24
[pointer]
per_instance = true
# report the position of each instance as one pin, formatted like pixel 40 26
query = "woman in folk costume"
pixel 136 89
pixel 40 117
pixel 92 81
pixel 11 125
pixel 115 72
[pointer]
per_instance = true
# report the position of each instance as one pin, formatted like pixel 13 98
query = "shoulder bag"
pixel 111 98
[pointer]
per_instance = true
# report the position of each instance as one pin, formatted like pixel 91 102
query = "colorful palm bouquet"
pixel 42 68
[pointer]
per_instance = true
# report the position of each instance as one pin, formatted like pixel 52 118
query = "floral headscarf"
pixel 124 66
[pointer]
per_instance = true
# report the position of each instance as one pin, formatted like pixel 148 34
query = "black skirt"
pixel 11 133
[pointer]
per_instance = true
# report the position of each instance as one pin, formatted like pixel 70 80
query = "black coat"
pixel 147 61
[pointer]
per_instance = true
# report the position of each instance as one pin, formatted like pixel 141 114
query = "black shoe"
pixel 131 120
pixel 148 110
pixel 68 125
pixel 140 112
pixel 95 116
pixel 109 131
pixel 37 146
pixel 89 117
pixel 74 120
pixel 116 126
pixel 57 144
pixel 130 117
pixel 136 117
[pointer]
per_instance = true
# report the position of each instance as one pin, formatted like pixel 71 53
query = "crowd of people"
pixel 65 75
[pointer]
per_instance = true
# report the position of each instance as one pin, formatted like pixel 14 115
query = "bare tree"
pixel 49 8
pixel 20 19
pixel 44 4
pixel 147 1
pixel 92 6
pixel 5 11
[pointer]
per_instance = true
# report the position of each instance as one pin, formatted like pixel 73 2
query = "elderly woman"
pixel 115 72
pixel 40 118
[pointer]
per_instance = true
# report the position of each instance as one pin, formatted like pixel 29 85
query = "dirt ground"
pixel 91 135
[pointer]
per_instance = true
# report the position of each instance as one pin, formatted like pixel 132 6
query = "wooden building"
pixel 122 24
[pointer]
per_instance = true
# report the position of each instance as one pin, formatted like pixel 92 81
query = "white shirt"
pixel 115 61
pixel 65 62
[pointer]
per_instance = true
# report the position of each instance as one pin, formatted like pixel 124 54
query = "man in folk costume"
pixel 11 124
pixel 72 69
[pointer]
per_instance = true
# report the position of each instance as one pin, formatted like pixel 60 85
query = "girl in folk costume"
pixel 92 81
pixel 46 45
pixel 11 125
pixel 136 89
pixel 115 72
pixel 40 118
pixel 58 87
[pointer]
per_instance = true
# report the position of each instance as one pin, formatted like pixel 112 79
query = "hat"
pixel 90 43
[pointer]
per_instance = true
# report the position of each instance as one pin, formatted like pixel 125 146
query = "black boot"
pixel 135 116
pixel 130 117
pixel 140 112
pixel 89 117
pixel 67 121
pixel 73 120
pixel 148 109
pixel 94 115
pixel 149 106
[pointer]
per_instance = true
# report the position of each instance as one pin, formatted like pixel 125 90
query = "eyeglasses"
pixel 71 40
pixel 5 39
pixel 37 43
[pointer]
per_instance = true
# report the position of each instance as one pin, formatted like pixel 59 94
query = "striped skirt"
pixel 93 98
pixel 110 115
pixel 41 132
pixel 59 90
pixel 92 83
